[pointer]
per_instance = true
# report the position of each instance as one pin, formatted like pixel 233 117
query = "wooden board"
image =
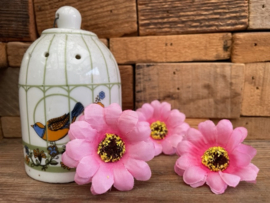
pixel 17 20
pixel 127 83
pixel 251 47
pixel 259 14
pixel 258 127
pixel 161 17
pixel 164 185
pixel 200 90
pixel 200 47
pixel 256 93
pixel 107 19
pixel 3 55
pixel 194 122
pixel 1 133
pixel 11 127
pixel 9 98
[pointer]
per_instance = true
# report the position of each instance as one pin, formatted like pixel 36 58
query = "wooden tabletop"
pixel 164 185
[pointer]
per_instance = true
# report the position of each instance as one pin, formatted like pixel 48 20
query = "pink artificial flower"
pixel 216 156
pixel 167 126
pixel 109 147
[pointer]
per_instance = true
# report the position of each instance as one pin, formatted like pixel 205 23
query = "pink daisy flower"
pixel 167 126
pixel 109 147
pixel 216 156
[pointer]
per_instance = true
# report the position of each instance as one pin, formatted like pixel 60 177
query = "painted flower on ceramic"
pixel 167 126
pixel 216 156
pixel 109 147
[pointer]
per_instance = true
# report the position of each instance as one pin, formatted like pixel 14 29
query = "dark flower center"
pixel 111 148
pixel 158 130
pixel 216 159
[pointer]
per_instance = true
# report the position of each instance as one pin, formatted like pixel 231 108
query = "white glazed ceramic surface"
pixel 62 68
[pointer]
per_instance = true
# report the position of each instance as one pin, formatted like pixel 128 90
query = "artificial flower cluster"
pixel 110 147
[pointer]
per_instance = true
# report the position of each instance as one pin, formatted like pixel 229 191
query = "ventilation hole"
pixel 171 44
pixel 178 88
pixel 174 73
pixel 263 6
pixel 46 54
pixel 257 88
pixel 111 11
pixel 252 78
pixel 255 44
pixel 78 56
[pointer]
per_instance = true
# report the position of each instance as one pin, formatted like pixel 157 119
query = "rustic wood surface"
pixel 175 48
pixel 105 18
pixel 259 14
pixel 11 127
pixel 161 17
pixel 251 47
pixel 3 55
pixel 200 90
pixel 164 185
pixel 1 133
pixel 17 20
pixel 127 84
pixel 194 122
pixel 256 93
pixel 258 127
pixel 9 96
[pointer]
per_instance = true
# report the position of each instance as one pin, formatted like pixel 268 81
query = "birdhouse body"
pixel 61 73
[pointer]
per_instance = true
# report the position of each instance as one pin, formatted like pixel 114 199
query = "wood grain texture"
pixel 1 133
pixel 3 55
pixel 256 93
pixel 17 20
pixel 15 52
pixel 161 17
pixel 11 127
pixel 194 122
pixel 199 47
pixel 259 14
pixel 200 90
pixel 164 185
pixel 9 101
pixel 258 127
pixel 251 47
pixel 105 18
pixel 127 85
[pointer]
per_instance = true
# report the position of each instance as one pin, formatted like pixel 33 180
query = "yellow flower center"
pixel 158 130
pixel 216 159
pixel 111 148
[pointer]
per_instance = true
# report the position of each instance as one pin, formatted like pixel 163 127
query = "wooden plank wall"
pixel 209 58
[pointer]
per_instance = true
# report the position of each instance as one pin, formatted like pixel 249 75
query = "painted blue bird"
pixel 57 128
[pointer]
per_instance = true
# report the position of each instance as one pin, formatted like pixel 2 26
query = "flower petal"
pixel 81 181
pixel 209 131
pixel 139 169
pixel 87 167
pixel 230 179
pixel 158 147
pixel 248 173
pixel 123 180
pixel 81 130
pixel 239 159
pixel 71 163
pixel 195 174
pixel 195 137
pixel 140 132
pixel 224 131
pixel 94 114
pixel 142 150
pixel 103 179
pixel 127 121
pixel 164 110
pixel 200 183
pixel 246 149
pixel 111 114
pixel 78 148
pixel 175 118
pixel 169 144
pixel 215 182
pixel 180 129
pixel 185 161
pixel 147 110
pixel 156 105
pixel 186 147
pixel 238 136
pixel 179 171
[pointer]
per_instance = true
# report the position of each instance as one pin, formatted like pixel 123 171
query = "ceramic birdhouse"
pixel 61 73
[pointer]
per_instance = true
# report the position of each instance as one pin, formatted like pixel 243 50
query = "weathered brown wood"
pixel 3 55
pixel 200 90
pixel 11 127
pixel 199 47
pixel 164 185
pixel 258 127
pixel 259 14
pixel 256 93
pixel 105 41
pixel 9 101
pixel 1 133
pixel 127 82
pixel 105 18
pixel 17 20
pixel 194 122
pixel 251 47
pixel 161 17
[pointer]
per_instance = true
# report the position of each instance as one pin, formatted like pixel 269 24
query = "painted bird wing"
pixel 58 123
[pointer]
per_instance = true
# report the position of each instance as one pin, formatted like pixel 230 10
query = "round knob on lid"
pixel 68 17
